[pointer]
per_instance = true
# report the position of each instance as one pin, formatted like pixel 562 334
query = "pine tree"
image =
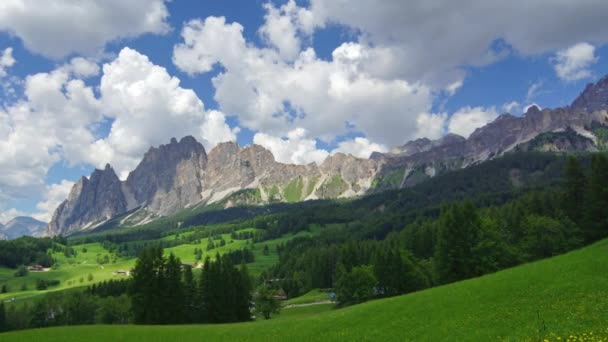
pixel 146 288
pixel 190 298
pixel 3 325
pixel 228 279
pixel 206 294
pixel 172 289
pixel 573 198
pixel 243 294
pixel 596 221
pixel 458 234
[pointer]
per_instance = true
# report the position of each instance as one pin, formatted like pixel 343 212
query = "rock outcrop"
pixel 169 178
pixel 90 202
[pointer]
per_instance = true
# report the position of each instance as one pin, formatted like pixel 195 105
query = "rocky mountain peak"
pixel 168 177
pixel 450 139
pixel 90 201
pixel 532 110
pixel 593 98
pixel 22 226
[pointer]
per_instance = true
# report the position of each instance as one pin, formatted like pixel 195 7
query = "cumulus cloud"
pixel 149 107
pixel 359 147
pixel 572 64
pixel 512 107
pixel 6 60
pixel 327 98
pixel 284 28
pixel 53 196
pixel 467 119
pixel 51 121
pixel 82 67
pixel 57 28
pixel 431 126
pixel 432 41
pixel 295 148
pixel 59 114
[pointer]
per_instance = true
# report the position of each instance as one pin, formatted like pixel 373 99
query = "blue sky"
pixel 82 86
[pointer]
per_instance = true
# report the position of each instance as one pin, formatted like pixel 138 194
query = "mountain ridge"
pixel 182 174
pixel 22 226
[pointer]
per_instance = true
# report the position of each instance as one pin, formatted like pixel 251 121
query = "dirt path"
pixel 307 304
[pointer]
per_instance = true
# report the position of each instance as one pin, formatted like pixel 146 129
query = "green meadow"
pixel 565 297
pixel 83 269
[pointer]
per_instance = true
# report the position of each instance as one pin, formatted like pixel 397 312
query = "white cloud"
pixel 467 119
pixel 431 126
pixel 295 148
pixel 359 147
pixel 58 116
pixel 6 60
pixel 57 28
pixel 327 98
pixel 149 107
pixel 512 107
pixel 82 67
pixel 54 195
pixel 432 41
pixel 534 90
pixel 573 63
pixel 285 27
pixel 52 121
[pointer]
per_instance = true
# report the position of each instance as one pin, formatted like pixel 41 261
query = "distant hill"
pixel 22 226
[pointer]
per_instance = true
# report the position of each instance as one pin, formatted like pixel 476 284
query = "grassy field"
pixel 310 297
pixel 71 272
pixel 76 271
pixel 559 297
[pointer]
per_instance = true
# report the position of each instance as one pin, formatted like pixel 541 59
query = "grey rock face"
pixel 169 177
pixel 22 226
pixel 90 201
pixel 593 98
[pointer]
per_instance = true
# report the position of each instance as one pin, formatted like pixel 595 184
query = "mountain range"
pixel 22 226
pixel 182 175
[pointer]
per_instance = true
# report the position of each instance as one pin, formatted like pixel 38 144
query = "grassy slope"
pixel 569 293
pixel 310 297
pixel 70 271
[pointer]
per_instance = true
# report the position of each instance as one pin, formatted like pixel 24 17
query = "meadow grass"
pixel 558 297
pixel 310 297
pixel 74 271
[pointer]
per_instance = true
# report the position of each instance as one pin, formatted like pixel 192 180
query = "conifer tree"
pixel 173 291
pixel 573 200
pixel 458 234
pixel 596 221
pixel 3 325
pixel 243 299
pixel 190 298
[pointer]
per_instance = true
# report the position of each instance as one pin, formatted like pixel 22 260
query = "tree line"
pixel 163 291
pixel 466 240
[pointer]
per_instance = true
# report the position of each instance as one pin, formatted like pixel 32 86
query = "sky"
pixel 92 82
